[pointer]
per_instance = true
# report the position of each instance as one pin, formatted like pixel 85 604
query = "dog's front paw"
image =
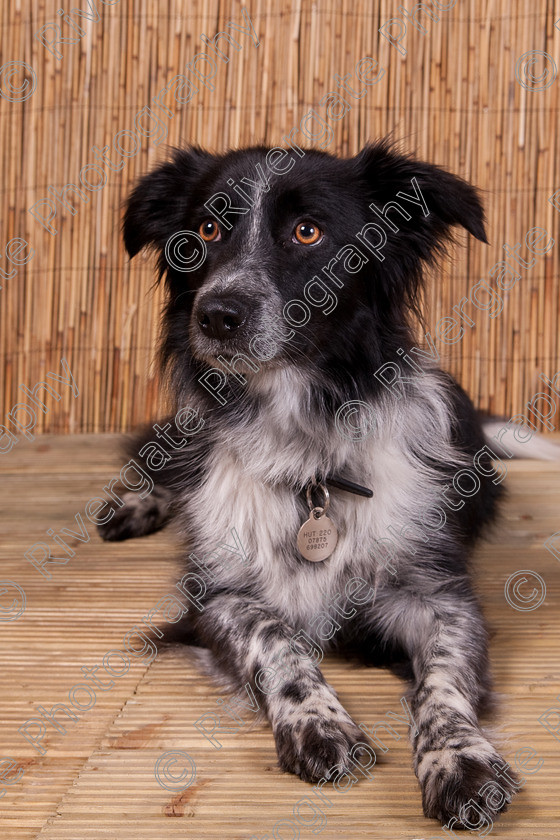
pixel 463 791
pixel 137 517
pixel 310 743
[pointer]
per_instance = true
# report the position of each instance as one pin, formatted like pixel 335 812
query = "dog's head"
pixel 292 256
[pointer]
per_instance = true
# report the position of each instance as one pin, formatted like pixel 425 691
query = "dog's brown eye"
pixel 210 230
pixel 306 233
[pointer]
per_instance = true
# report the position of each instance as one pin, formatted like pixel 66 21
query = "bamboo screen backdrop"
pixel 470 85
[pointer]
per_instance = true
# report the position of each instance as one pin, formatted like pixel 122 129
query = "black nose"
pixel 221 317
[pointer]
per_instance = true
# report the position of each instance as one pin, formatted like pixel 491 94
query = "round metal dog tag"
pixel 317 537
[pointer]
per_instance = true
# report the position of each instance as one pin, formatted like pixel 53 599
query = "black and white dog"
pixel 303 307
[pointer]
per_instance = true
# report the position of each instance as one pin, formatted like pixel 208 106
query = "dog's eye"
pixel 307 233
pixel 210 231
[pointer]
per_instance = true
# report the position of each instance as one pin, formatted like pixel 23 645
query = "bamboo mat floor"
pixel 97 778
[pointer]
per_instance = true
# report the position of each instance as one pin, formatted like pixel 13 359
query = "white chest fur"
pixel 250 482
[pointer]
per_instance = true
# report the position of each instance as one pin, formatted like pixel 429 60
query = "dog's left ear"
pixel 435 199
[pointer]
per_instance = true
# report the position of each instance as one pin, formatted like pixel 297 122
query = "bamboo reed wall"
pixel 465 96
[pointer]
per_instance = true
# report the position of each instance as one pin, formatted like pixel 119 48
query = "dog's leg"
pixel 134 516
pixel 312 730
pixel 446 640
pixel 138 517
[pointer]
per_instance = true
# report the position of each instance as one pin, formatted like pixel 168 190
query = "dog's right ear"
pixel 156 207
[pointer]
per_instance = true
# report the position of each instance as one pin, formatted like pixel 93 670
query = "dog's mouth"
pixel 239 352
pixel 239 356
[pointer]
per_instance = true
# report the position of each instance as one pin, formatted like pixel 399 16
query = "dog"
pixel 305 304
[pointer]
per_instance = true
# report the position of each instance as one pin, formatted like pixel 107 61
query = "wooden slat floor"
pixel 97 779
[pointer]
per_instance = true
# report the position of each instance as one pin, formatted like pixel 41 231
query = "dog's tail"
pixel 525 445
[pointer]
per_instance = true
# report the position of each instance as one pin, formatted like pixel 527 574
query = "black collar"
pixel 349 486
